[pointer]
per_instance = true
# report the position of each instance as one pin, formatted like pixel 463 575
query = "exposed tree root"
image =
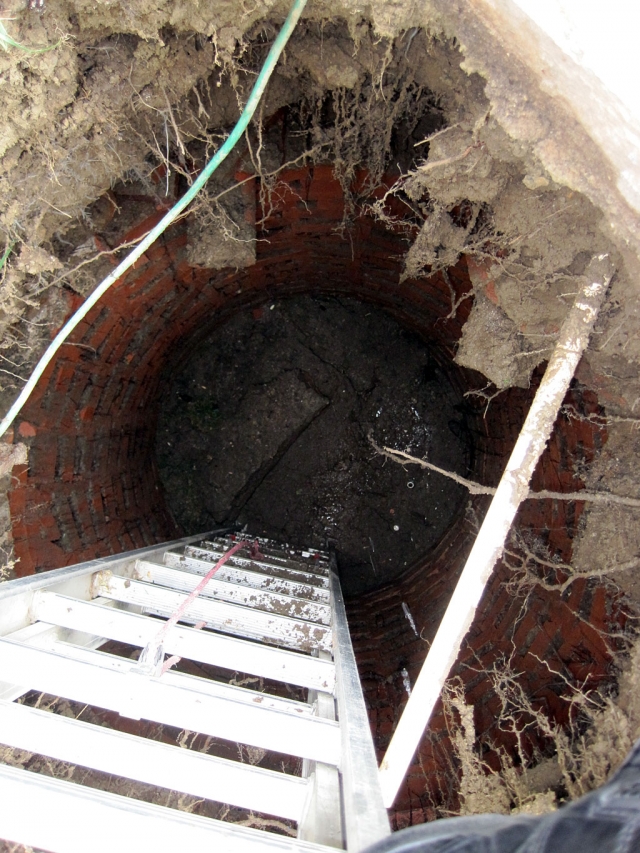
pixel 403 458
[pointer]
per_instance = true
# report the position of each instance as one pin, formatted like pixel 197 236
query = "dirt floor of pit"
pixel 268 425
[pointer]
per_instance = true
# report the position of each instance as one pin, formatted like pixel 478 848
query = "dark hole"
pixel 268 425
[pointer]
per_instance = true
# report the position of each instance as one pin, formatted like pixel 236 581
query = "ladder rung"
pixel 277 546
pixel 184 681
pixel 151 761
pixel 219 615
pixel 257 580
pixel 271 561
pixel 162 700
pixel 41 635
pixel 203 646
pixel 300 575
pixel 71 818
pixel 272 549
pixel 260 599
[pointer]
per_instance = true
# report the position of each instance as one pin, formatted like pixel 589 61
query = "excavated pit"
pixel 207 385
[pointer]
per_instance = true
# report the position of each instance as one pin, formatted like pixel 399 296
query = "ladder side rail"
pixel 152 762
pixel 322 820
pixel 71 818
pixel 365 816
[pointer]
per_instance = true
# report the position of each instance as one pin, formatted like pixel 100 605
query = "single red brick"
pixel 86 413
pixel 27 430
pixel 143 227
pixel 24 566
pixel 19 531
pixel 20 474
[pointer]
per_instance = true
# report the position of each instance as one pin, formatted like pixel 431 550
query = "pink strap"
pixel 151 651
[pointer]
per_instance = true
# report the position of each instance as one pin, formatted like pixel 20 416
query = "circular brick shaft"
pixel 91 486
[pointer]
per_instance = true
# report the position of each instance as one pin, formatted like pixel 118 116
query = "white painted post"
pixel 489 545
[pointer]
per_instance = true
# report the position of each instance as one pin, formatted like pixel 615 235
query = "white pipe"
pixel 489 545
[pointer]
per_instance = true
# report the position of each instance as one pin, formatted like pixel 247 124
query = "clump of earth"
pixel 268 426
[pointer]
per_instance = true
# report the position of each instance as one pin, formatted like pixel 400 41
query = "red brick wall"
pixel 91 487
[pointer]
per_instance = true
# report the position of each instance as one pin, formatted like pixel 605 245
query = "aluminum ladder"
pixel 272 613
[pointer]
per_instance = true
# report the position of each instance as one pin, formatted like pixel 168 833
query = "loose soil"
pixel 268 424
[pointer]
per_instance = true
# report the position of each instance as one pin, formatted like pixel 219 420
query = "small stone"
pixel 535 182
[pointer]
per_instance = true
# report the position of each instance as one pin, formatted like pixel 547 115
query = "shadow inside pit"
pixel 268 425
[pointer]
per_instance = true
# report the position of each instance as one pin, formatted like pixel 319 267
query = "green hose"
pixel 176 210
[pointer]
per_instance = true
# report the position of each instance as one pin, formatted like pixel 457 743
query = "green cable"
pixel 6 41
pixel 254 99
pixel 6 253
